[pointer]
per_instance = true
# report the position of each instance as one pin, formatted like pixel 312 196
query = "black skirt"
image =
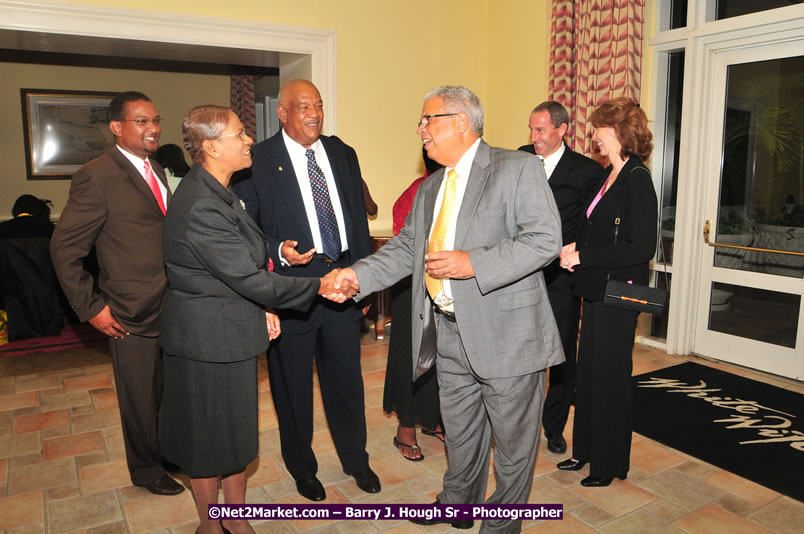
pixel 414 403
pixel 208 423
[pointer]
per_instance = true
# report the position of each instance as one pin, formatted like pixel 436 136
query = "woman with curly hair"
pixel 616 241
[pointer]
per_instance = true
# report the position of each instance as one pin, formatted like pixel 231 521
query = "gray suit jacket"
pixel 218 284
pixel 510 226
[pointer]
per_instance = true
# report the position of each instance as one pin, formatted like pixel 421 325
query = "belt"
pixel 448 315
pixel 323 258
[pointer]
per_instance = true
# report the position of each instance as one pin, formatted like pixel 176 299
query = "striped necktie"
pixel 327 222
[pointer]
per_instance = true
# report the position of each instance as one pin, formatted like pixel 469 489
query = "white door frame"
pixel 743 351
pixel 704 43
pixel 293 42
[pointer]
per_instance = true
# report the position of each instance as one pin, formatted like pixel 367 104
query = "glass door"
pixel 752 279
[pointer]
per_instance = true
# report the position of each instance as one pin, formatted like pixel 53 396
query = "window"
pixel 735 8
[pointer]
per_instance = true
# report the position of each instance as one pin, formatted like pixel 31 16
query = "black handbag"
pixel 635 297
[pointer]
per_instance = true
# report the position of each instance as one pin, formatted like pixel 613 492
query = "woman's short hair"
pixel 203 123
pixel 630 124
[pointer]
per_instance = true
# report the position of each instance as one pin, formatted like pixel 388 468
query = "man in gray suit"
pixel 479 306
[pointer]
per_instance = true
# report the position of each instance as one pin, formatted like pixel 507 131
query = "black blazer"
pixel 574 182
pixel 272 197
pixel 218 285
pixel 632 199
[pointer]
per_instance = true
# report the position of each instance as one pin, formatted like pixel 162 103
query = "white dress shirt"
pixel 463 168
pixel 299 160
pixel 139 164
pixel 551 161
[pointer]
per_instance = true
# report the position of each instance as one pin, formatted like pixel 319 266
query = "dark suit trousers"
pixel 137 362
pixel 567 310
pixel 602 428
pixel 334 338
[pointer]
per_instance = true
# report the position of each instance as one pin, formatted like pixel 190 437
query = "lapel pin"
pixel 242 203
pixel 281 169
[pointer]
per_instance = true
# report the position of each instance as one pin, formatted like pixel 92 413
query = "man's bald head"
pixel 301 111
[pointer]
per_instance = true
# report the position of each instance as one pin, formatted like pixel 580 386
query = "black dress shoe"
pixel 366 480
pixel 311 488
pixel 225 530
pixel 571 465
pixel 164 486
pixel 556 443
pixel 456 523
pixel 596 482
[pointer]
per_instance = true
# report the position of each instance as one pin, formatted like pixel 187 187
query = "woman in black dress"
pixel 214 322
pixel 617 239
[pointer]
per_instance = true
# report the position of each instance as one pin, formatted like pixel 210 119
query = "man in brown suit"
pixel 117 204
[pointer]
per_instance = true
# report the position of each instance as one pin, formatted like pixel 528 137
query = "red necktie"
pixel 151 179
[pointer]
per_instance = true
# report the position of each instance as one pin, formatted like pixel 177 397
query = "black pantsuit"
pixel 602 430
pixel 615 242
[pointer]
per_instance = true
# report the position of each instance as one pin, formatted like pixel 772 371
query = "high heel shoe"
pixel 225 530
pixel 571 465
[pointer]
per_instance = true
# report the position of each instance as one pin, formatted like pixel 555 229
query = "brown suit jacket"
pixel 112 208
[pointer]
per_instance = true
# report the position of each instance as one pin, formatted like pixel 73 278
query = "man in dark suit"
pixel 306 194
pixel 573 180
pixel 117 204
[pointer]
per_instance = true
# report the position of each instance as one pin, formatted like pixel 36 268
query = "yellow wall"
pixel 389 54
pixel 160 87
pixel 519 62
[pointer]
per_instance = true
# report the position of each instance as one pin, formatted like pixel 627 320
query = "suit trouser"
pixel 601 432
pixel 138 373
pixel 334 338
pixel 474 410
pixel 567 311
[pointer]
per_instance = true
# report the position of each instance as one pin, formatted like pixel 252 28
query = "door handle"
pixel 706 231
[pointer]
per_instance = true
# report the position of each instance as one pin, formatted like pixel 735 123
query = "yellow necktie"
pixel 439 233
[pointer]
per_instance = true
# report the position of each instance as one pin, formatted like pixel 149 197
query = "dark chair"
pixel 29 288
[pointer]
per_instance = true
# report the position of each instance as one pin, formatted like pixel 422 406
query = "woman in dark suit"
pixel 214 322
pixel 616 241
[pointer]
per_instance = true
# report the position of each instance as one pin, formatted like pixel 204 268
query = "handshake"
pixel 339 285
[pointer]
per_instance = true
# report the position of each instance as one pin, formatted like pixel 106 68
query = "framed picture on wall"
pixel 63 130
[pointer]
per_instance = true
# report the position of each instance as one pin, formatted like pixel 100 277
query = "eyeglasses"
pixel 143 122
pixel 425 120
pixel 240 133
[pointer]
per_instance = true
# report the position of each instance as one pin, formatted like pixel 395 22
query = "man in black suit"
pixel 306 194
pixel 573 180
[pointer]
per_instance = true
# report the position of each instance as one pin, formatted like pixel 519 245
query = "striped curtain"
pixel 242 102
pixel 595 55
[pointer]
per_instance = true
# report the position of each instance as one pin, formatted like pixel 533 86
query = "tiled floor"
pixel 62 466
